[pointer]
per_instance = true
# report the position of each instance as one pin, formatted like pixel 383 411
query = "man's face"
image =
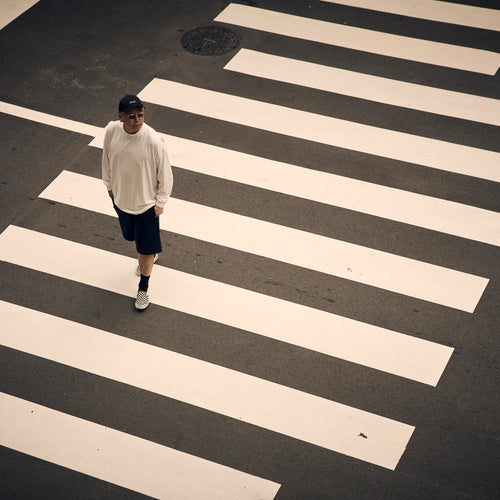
pixel 132 120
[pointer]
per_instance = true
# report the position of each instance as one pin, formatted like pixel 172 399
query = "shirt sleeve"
pixel 165 179
pixel 106 166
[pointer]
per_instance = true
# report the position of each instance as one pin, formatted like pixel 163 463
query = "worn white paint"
pixel 330 334
pixel 102 452
pixel 373 88
pixel 433 10
pixel 12 9
pixel 313 251
pixel 313 127
pixel 376 42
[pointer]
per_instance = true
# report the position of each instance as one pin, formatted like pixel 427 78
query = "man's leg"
pixel 148 243
pixel 146 267
pixel 146 264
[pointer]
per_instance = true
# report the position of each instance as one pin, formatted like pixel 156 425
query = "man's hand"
pixel 158 210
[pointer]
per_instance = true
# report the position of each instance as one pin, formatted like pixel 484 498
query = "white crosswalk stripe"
pixel 313 329
pixel 114 456
pixel 395 204
pixel 156 470
pixel 52 120
pixel 432 10
pixel 13 9
pixel 345 260
pixel 377 141
pixel 386 44
pixel 373 88
pixel 256 401
pixel 446 216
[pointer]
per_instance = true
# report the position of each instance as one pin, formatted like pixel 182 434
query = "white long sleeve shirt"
pixel 136 168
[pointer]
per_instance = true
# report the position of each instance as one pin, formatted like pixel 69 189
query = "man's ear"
pixel 120 117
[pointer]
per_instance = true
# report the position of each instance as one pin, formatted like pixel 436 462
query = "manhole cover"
pixel 209 41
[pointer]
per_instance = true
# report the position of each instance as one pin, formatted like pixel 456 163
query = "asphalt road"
pixel 75 61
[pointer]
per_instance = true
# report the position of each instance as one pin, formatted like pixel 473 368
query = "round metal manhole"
pixel 210 41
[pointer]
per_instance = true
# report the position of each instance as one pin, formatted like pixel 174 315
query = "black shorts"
pixel 143 228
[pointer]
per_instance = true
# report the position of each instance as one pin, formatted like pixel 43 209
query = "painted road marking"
pixel 247 398
pixel 312 251
pixel 398 205
pixel 330 334
pixel 373 88
pixel 377 141
pixel 114 456
pixel 386 44
pixel 47 119
pixel 394 204
pixel 12 9
pixel 433 10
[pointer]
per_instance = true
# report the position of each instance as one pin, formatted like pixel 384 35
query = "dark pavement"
pixel 76 60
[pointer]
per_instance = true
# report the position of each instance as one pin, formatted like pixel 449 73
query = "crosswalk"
pixel 285 321
pixel 445 216
pixel 362 86
pixel 256 401
pixel 353 262
pixel 433 153
pixel 120 458
pixel 432 10
pixel 424 51
pixel 162 472
pixel 12 9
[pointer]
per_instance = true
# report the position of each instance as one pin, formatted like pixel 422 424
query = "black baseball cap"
pixel 129 102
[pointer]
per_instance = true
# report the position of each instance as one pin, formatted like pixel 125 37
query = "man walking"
pixel 137 173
